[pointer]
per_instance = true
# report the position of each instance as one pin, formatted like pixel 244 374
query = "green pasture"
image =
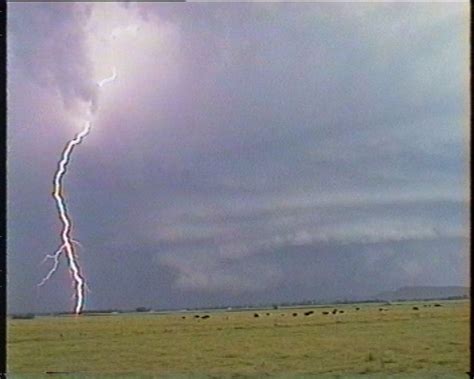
pixel 397 342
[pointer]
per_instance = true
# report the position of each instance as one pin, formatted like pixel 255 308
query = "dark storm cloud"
pixel 286 151
pixel 236 239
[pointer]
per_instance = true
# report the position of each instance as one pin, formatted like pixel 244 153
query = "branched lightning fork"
pixel 67 242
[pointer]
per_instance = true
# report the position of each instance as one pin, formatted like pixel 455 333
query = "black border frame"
pixel 3 191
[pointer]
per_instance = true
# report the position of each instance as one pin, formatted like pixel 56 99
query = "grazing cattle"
pixel 268 314
pixel 415 308
pixel 205 316
pixel 334 311
pixel 341 311
pixel 308 313
pixel 196 316
pixel 295 314
pixel 357 308
pixel 256 315
pixel 325 313
pixel 183 317
pixel 437 305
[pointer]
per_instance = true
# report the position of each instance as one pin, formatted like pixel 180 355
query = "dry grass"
pixel 428 342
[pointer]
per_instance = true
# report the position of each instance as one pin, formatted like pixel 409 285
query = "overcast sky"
pixel 246 152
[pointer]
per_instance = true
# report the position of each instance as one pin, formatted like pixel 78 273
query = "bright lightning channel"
pixel 107 80
pixel 67 242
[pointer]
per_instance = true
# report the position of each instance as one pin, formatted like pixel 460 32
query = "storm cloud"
pixel 246 153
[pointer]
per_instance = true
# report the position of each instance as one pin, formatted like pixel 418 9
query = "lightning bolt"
pixel 67 247
pixel 107 80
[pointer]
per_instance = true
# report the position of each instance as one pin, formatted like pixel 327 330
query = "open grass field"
pixel 397 342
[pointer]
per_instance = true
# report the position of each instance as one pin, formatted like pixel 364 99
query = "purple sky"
pixel 246 153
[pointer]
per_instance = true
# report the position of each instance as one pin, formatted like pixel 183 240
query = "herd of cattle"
pixel 309 313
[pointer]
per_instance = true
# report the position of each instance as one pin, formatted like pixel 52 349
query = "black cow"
pixel 256 315
pixel 415 308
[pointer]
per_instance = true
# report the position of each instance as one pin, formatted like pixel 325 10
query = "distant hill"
pixel 424 293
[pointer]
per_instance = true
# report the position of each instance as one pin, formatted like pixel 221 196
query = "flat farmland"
pixel 376 340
